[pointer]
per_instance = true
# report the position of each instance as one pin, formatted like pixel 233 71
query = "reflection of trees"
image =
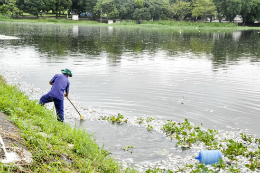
pixel 227 49
pixel 59 40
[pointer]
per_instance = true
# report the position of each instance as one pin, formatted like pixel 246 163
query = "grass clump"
pixel 4 17
pixel 172 25
pixel 126 22
pixel 2 79
pixel 51 21
pixel 194 24
pixel 48 150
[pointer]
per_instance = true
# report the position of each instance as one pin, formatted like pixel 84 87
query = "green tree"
pixel 83 5
pixel 62 5
pixel 250 11
pixel 220 8
pixel 89 5
pixel 126 9
pixel 181 9
pixel 142 14
pixel 4 6
pixel 139 3
pixel 3 9
pixel 2 2
pixel 233 9
pixel 9 7
pixel 228 8
pixel 107 7
pixel 203 8
pixel 31 6
pixel 159 9
pixel 50 5
pixel 113 14
pixel 13 8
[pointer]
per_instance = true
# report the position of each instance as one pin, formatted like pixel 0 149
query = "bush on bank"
pixel 47 150
pixel 4 17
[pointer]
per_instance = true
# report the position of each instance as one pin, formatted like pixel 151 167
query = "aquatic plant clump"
pixel 187 134
pixel 113 119
pixel 240 150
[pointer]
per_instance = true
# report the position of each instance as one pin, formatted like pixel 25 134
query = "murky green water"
pixel 210 77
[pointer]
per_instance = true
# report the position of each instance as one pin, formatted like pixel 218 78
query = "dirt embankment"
pixel 14 143
pixel 10 133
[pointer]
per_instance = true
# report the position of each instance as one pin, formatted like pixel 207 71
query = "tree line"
pixel 141 9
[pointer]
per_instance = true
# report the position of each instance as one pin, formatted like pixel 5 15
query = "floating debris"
pixel 2 149
pixel 14 154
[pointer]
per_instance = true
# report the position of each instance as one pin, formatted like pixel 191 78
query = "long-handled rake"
pixel 81 117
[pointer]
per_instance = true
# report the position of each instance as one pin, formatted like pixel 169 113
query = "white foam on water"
pixel 2 145
pixel 4 37
pixel 11 157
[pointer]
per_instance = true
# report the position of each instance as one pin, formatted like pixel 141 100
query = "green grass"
pixel 31 119
pixel 182 25
pixel 51 21
pixel 162 25
pixel 47 15
pixel 194 24
pixel 1 79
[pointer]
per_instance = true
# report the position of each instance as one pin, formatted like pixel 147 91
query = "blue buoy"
pixel 209 157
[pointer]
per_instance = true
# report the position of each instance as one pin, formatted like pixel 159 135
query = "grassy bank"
pixel 182 25
pixel 50 141
pixel 51 20
pixel 159 25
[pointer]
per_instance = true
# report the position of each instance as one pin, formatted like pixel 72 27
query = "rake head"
pixel 81 117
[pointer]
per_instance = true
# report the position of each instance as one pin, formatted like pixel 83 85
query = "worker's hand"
pixel 66 94
pixel 50 83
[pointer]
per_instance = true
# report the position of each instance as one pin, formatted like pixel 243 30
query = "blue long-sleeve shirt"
pixel 60 84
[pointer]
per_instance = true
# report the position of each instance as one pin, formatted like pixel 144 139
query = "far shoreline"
pixel 150 25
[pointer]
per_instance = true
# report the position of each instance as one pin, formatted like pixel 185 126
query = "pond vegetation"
pixel 188 135
pixel 113 119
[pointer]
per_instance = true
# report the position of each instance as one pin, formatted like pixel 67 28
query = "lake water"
pixel 206 77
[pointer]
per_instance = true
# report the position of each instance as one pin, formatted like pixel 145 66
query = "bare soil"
pixel 10 133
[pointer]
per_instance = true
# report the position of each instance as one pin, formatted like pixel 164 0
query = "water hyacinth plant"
pixel 128 148
pixel 149 119
pixel 149 127
pixel 140 120
pixel 188 134
pixel 113 119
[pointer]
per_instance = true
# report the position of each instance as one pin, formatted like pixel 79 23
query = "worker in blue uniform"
pixel 60 83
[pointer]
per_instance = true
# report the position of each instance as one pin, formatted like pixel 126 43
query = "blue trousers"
pixel 58 105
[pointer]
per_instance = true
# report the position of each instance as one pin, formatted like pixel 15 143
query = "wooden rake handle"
pixel 75 108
